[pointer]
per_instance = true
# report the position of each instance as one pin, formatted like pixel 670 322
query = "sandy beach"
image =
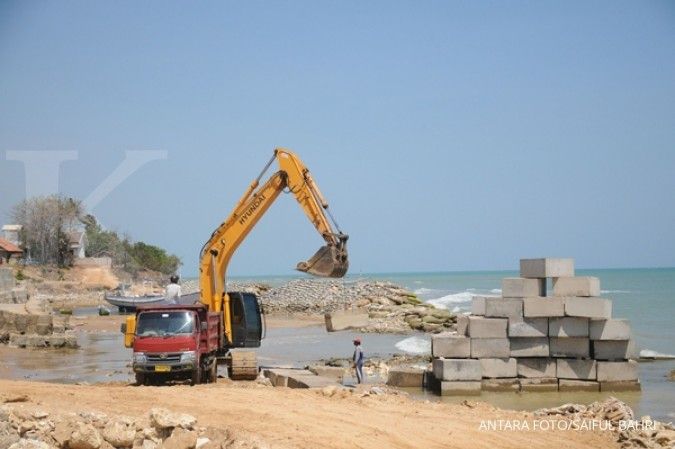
pixel 298 419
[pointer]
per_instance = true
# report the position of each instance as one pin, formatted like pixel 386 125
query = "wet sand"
pixel 293 341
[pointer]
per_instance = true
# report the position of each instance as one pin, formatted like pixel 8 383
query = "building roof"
pixel 12 227
pixel 9 246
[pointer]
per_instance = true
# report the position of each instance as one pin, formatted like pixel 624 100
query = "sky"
pixel 446 136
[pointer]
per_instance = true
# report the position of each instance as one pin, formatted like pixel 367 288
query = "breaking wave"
pixel 414 345
pixel 449 301
pixel 614 291
pixel 649 354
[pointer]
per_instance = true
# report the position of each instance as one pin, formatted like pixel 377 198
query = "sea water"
pixel 645 296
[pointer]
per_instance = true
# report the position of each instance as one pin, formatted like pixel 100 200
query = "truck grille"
pixel 164 358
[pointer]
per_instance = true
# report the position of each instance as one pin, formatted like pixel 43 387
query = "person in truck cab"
pixel 173 291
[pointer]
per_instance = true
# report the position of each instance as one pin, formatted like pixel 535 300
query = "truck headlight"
pixel 188 357
pixel 139 357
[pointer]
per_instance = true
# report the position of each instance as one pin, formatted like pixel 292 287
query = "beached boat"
pixel 127 304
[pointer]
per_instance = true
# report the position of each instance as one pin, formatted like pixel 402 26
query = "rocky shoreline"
pixel 390 307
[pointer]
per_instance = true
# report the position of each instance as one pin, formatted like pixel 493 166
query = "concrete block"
pixel 309 382
pixel 538 307
pixel 568 327
pixel 493 368
pixel 499 307
pixel 576 286
pixel 573 347
pixel 490 348
pixel 332 372
pixel 460 388
pixel 522 288
pixel 500 385
pixel 480 327
pixel 540 385
pixel 614 349
pixel 450 346
pixel 478 305
pixel 576 369
pixel 546 268
pixel 530 347
pixel 19 295
pixel 343 320
pixel 406 377
pixel 629 385
pixel 613 329
pixel 598 308
pixel 536 367
pixel 565 385
pixel 529 327
pixel 617 371
pixel 18 340
pixel 279 376
pixel 457 369
pixel 462 325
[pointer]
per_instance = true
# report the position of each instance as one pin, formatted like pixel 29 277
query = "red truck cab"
pixel 175 342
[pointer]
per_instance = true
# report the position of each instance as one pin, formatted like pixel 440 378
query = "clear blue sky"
pixel 446 135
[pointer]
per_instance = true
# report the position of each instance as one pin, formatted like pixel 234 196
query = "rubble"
pixel 630 432
pixel 24 427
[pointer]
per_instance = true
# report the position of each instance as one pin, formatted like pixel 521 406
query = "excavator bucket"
pixel 329 261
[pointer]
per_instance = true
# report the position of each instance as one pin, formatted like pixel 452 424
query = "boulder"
pixel 181 439
pixel 119 434
pixel 161 418
pixel 30 444
pixel 85 436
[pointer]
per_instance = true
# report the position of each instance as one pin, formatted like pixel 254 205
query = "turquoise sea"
pixel 645 296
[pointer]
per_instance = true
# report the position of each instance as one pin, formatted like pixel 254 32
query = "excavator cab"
pixel 247 323
pixel 329 261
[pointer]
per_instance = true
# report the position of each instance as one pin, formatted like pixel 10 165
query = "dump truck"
pixel 218 324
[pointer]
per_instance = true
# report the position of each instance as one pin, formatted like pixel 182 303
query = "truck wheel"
pixel 196 375
pixel 140 379
pixel 213 372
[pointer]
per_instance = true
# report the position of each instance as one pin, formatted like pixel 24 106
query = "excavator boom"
pixel 331 260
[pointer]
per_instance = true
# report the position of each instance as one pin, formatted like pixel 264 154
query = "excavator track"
pixel 243 365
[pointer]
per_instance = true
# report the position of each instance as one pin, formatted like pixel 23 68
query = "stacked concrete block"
pixel 526 340
pixel 7 284
pixel 457 376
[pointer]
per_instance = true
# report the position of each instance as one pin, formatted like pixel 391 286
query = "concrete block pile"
pixel 9 292
pixel 531 339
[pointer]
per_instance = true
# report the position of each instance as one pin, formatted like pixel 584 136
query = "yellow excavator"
pixel 219 321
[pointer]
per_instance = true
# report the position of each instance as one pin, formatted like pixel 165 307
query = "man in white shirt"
pixel 173 291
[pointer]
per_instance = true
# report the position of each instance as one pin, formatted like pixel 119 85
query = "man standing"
pixel 173 291
pixel 358 360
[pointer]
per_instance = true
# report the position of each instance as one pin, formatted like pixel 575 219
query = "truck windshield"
pixel 162 324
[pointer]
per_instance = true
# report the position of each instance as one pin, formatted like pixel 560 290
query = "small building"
pixel 11 233
pixel 77 242
pixel 9 251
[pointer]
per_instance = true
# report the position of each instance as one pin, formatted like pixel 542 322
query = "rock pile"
pixel 390 307
pixel 630 433
pixel 528 341
pixel 26 427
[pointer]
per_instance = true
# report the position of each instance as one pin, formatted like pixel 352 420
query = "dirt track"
pixel 304 418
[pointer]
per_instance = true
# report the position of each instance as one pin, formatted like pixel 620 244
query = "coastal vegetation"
pixel 48 224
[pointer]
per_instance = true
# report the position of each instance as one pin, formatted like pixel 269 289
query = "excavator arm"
pixel 330 261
